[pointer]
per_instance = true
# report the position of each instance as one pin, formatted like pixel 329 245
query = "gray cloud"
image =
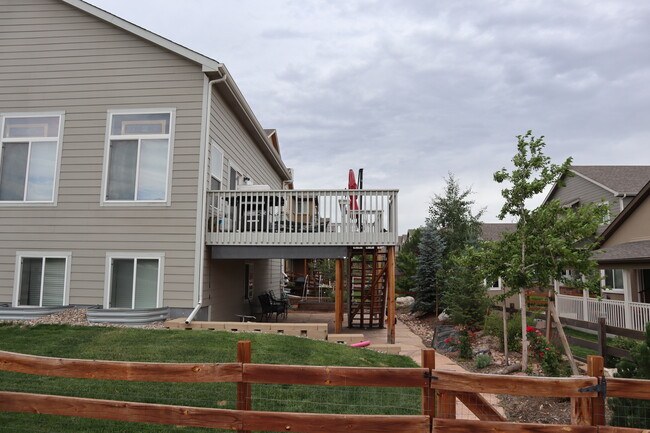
pixel 411 90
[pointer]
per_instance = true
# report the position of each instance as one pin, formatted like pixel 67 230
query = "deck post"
pixel 390 298
pixel 338 297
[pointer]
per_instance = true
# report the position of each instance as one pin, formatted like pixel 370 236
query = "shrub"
pixel 464 342
pixel 494 326
pixel 482 360
pixel 628 412
pixel 548 356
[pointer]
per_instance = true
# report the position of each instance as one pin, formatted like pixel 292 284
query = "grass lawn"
pixel 126 344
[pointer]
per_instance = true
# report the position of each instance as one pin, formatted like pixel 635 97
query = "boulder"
pixel 442 333
pixel 405 301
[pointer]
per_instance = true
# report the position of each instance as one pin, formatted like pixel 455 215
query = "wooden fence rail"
pixel 440 389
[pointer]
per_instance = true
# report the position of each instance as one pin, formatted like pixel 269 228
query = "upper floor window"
pixel 216 168
pixel 29 156
pixel 139 153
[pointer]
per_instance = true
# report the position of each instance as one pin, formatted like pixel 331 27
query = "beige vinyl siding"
pixel 635 228
pixel 56 58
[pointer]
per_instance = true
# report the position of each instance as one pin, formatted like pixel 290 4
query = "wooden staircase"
pixel 367 288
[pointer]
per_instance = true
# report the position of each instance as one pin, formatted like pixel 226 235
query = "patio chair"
pixel 269 308
pixel 282 300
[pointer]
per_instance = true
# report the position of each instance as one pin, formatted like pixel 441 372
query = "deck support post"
pixel 390 298
pixel 338 297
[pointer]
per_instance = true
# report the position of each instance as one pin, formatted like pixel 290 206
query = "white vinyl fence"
pixel 631 315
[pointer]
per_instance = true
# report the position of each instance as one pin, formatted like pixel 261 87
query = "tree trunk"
pixel 505 329
pixel 565 342
pixel 524 337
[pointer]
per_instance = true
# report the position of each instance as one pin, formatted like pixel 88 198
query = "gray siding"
pixel 587 192
pixel 56 58
pixel 222 289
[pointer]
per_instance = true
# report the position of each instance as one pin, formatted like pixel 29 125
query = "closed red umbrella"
pixel 352 184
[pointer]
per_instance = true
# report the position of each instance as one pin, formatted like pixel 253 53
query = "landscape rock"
pixel 442 333
pixel 443 317
pixel 405 301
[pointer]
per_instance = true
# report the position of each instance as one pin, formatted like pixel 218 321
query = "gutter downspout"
pixel 201 211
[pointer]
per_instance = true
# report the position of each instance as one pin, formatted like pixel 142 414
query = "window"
pixel 135 282
pixel 302 206
pixel 29 157
pixel 495 285
pixel 613 279
pixel 216 168
pixel 42 280
pixel 138 161
pixel 236 178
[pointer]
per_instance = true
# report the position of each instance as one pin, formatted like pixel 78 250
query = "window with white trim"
pixel 135 282
pixel 236 178
pixel 138 157
pixel 29 157
pixel 613 279
pixel 495 285
pixel 216 168
pixel 42 279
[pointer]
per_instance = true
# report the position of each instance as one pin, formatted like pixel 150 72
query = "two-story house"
pixel 623 189
pixel 134 176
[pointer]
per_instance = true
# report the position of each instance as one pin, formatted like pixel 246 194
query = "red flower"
pixel 530 329
pixel 541 355
pixel 448 340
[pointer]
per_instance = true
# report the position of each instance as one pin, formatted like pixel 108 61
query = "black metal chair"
pixel 269 308
pixel 282 300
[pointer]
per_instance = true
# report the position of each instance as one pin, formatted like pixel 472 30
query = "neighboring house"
pixel 110 137
pixel 122 165
pixel 624 257
pixel 494 232
pixel 615 185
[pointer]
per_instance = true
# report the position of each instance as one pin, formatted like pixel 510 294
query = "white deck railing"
pixel 302 217
pixel 631 315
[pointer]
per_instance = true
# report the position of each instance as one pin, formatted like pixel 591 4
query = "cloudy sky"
pixel 412 90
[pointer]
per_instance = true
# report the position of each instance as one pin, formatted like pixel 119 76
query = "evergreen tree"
pixel 452 216
pixel 429 263
pixel 465 294
pixel 627 412
pixel 406 262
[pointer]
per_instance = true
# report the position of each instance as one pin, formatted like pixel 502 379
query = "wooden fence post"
pixel 596 368
pixel 428 394
pixel 602 337
pixel 244 389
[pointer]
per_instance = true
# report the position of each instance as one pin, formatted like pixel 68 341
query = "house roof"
pixel 495 231
pixel 212 68
pixel 628 252
pixel 619 179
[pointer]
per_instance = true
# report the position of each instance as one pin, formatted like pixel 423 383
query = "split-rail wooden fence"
pixel 440 390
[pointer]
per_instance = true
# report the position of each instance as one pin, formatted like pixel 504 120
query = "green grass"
pixel 125 344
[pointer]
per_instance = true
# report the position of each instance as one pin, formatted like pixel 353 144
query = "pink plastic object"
pixel 361 344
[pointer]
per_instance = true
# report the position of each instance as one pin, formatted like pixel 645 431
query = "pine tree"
pixel 627 412
pixel 429 263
